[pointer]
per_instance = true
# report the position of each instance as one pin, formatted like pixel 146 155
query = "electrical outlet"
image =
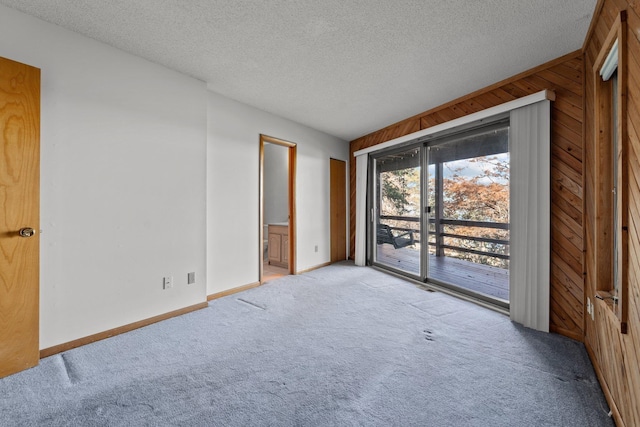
pixel 167 282
pixel 191 278
pixel 316 249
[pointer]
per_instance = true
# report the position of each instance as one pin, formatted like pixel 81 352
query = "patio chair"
pixel 400 240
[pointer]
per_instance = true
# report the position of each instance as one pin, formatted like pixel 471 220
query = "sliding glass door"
pixel 441 211
pixel 468 204
pixel 397 207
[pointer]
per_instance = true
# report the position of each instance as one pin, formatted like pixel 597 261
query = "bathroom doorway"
pixel 277 208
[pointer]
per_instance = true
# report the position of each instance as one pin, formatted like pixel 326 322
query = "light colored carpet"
pixel 339 346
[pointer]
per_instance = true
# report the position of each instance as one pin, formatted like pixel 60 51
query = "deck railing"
pixel 439 234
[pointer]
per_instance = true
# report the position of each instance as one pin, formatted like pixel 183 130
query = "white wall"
pixel 144 173
pixel 123 176
pixel 276 183
pixel 233 246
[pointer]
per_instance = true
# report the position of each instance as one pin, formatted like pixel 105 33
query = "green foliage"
pixel 400 192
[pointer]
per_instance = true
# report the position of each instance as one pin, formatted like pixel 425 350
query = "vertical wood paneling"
pixel 564 76
pixel 616 356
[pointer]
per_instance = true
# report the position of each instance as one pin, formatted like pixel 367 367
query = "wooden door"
pixel 338 210
pixel 19 209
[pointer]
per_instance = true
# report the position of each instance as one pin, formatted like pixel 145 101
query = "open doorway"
pixel 277 208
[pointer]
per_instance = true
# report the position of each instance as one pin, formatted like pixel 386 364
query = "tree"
pixel 483 196
pixel 400 192
pixel 473 189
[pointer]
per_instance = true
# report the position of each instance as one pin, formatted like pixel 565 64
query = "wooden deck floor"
pixel 483 279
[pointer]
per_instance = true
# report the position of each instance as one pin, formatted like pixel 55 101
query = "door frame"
pixel 292 162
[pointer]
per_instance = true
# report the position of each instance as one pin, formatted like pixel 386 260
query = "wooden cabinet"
pixel 275 248
pixel 279 245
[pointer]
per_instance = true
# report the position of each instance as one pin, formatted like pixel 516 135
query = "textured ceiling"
pixel 345 67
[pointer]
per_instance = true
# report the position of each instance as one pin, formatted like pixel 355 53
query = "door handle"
pixel 27 232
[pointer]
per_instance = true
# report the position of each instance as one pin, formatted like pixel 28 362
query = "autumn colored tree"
pixel 473 190
pixel 483 196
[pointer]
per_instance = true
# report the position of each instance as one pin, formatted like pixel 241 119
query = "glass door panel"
pixel 468 211
pixel 397 211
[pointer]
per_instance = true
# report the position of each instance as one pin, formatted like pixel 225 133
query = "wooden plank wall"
pixel 564 76
pixel 616 356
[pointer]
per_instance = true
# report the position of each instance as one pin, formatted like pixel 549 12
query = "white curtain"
pixel 530 233
pixel 362 162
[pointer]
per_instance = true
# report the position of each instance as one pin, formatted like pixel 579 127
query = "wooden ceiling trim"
pixel 503 95
pixel 562 82
pixel 537 82
pixel 427 122
pixel 517 91
pixel 575 64
pixel 490 99
pixel 568 72
pixel 446 115
pixel 468 107
pixel 533 84
pixel 482 101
